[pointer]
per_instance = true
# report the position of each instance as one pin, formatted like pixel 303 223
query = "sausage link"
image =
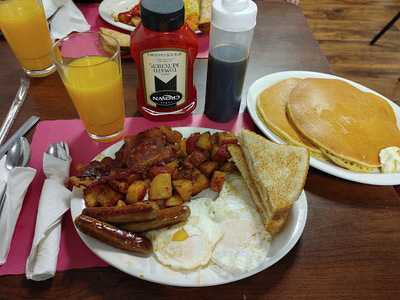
pixel 137 212
pixel 166 217
pixel 114 236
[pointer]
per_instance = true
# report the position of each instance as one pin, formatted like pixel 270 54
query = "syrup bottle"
pixel 232 27
pixel 164 49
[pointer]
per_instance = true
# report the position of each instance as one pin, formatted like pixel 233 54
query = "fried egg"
pixel 190 245
pixel 245 242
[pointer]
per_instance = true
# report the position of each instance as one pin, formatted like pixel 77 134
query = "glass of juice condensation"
pixel 24 25
pixel 89 64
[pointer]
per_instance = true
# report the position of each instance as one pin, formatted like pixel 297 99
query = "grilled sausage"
pixel 114 236
pixel 166 217
pixel 137 212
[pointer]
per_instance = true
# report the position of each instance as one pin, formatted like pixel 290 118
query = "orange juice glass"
pixel 25 28
pixel 89 64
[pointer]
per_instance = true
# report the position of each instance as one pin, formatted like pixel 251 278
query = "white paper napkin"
pixel 54 202
pixel 18 181
pixel 65 18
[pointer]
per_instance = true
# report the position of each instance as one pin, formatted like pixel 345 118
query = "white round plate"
pixel 108 7
pixel 148 268
pixel 264 82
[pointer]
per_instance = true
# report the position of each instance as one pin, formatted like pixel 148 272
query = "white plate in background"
pixel 108 7
pixel 264 82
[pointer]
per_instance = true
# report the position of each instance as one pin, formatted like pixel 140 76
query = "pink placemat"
pixel 91 13
pixel 73 253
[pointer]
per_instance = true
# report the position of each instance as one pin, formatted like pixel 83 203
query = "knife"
pixel 15 107
pixel 20 132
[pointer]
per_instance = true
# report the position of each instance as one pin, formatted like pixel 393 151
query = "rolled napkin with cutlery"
pixel 18 180
pixel 54 202
pixel 64 17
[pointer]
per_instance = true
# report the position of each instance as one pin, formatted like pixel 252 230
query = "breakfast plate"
pixel 368 178
pixel 148 268
pixel 108 7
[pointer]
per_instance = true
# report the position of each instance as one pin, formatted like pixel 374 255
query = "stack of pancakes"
pixel 332 119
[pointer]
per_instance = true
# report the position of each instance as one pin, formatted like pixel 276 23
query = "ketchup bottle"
pixel 164 49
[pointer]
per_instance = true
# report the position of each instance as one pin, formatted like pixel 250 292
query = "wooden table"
pixel 350 248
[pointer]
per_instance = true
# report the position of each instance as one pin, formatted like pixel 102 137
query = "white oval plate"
pixel 264 82
pixel 108 7
pixel 148 268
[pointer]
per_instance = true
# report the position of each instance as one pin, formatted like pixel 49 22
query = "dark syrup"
pixel 225 77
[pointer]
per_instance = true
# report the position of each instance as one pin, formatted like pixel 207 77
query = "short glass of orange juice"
pixel 24 25
pixel 89 64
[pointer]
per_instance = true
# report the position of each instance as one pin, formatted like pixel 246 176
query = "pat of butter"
pixel 390 159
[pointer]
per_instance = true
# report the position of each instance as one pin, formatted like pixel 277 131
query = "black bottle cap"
pixel 162 15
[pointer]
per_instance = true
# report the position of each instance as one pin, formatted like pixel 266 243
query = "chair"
pixel 386 28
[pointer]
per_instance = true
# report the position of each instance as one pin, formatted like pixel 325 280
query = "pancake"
pixel 271 105
pixel 348 125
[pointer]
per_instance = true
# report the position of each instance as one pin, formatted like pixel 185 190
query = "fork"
pixel 59 150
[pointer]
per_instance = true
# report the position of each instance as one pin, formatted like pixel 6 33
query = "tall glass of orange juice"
pixel 89 64
pixel 25 28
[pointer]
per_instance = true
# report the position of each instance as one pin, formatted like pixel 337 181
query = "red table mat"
pixel 91 13
pixel 73 253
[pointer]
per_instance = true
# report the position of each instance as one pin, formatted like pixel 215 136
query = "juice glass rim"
pixel 58 42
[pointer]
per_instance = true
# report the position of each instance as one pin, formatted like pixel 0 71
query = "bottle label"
pixel 164 75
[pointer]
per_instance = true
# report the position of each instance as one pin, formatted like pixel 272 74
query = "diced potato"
pixel 184 188
pixel 197 157
pixel 204 141
pixel 182 148
pixel 175 200
pixel 90 200
pixel 161 187
pixel 136 192
pixel 226 138
pixel 217 181
pixel 200 182
pixel 103 194
pixel 172 135
pixel 172 166
pixel 214 138
pixel 120 203
pixel 208 167
pixel 228 167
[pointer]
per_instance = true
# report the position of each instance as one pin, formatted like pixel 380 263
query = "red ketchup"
pixel 164 49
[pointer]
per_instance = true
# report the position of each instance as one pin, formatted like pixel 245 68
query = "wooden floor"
pixel 344 28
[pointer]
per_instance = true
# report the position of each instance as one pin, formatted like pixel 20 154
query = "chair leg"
pixel 386 28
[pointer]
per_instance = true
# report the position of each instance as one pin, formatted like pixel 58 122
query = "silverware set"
pixel 17 147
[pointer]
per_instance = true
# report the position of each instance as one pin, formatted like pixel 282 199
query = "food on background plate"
pixel 348 125
pixel 228 230
pixel 275 175
pixel 271 105
pixel 192 13
pixel 334 120
pixel 124 40
pixel 205 15
pixel 197 15
pixel 390 159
